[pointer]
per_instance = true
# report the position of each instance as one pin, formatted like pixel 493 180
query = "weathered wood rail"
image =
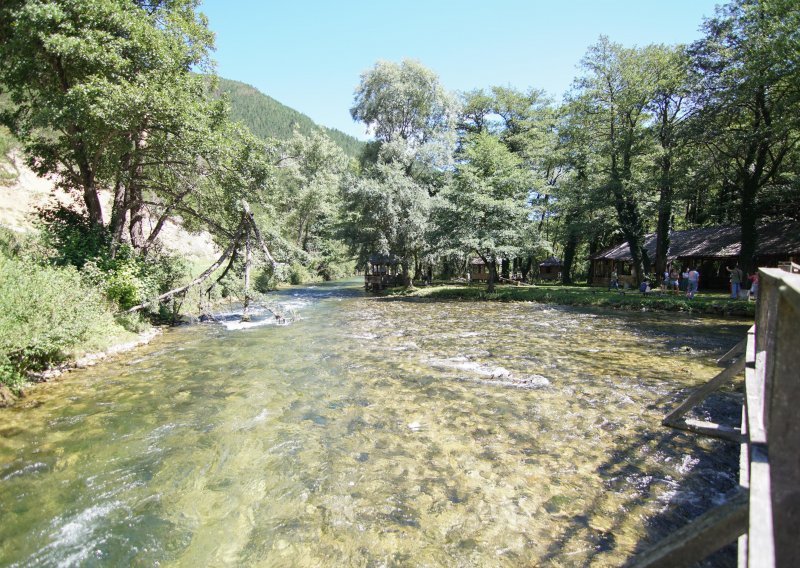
pixel 765 512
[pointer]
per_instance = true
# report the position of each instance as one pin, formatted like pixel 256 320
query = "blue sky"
pixel 309 54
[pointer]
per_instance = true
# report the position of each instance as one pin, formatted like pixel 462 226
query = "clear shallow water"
pixel 371 432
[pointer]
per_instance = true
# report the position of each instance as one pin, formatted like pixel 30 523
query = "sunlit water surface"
pixel 371 432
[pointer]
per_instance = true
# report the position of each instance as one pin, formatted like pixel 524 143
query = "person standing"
pixel 614 280
pixel 736 280
pixel 673 280
pixel 754 285
pixel 694 283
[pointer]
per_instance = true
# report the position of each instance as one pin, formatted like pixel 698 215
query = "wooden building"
pixel 382 272
pixel 478 270
pixel 550 269
pixel 709 250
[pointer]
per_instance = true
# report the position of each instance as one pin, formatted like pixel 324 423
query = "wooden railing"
pixel 765 513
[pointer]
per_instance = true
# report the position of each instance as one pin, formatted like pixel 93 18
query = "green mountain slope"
pixel 267 118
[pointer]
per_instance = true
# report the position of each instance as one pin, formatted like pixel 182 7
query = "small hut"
pixel 478 270
pixel 550 269
pixel 382 271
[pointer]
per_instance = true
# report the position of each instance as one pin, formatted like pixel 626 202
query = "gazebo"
pixel 478 270
pixel 550 269
pixel 382 272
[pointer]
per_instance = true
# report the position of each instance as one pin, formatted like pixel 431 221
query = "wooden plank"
pixel 735 351
pixel 760 538
pixel 711 429
pixel 725 376
pixel 693 542
pixel 744 483
pixel 783 426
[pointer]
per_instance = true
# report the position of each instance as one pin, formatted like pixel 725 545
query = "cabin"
pixel 383 271
pixel 478 270
pixel 710 250
pixel 550 269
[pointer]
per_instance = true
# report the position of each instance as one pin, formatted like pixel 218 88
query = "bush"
pixel 299 274
pixel 266 280
pixel 45 312
pixel 73 239
pixel 12 244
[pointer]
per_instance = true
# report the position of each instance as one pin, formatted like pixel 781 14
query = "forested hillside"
pixel 267 118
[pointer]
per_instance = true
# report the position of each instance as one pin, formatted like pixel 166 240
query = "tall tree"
pixel 407 110
pixel 750 95
pixel 387 212
pixel 412 118
pixel 83 76
pixel 670 108
pixel 612 97
pixel 525 123
pixel 485 210
pixel 307 200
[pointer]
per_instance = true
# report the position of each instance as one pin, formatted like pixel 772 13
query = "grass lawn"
pixel 716 302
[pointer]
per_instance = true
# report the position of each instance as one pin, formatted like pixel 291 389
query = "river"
pixel 370 432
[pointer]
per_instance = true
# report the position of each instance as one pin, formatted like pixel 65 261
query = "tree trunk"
pixel 631 224
pixel 664 217
pixel 492 265
pixel 569 256
pixel 136 207
pixel 594 246
pixel 748 214
pixel 504 268
pixel 118 214
pixel 248 258
pixel 91 197
pixel 407 282
pixel 525 267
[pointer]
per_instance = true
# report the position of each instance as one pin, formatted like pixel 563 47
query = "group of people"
pixel 676 282
pixel 673 281
pixel 689 280
pixel 736 277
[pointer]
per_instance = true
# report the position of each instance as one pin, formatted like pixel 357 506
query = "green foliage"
pixel 266 280
pixel 45 312
pixel 299 274
pixel 485 210
pixel 403 102
pixel 71 237
pixel 129 279
pixel 267 118
pixel 87 78
pixel 387 213
pixel 13 244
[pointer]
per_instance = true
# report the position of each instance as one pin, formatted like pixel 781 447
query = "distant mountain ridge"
pixel 268 118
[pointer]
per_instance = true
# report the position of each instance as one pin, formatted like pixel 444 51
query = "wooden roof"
pixel 552 261
pixel 388 259
pixel 723 241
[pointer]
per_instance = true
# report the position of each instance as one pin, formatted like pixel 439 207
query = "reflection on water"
pixel 371 432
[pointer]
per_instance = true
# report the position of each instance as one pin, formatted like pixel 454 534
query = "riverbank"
pixel 705 303
pixel 116 346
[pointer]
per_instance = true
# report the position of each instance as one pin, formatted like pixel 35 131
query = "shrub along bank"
pixel 47 313
pixel 54 308
pixel 715 303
